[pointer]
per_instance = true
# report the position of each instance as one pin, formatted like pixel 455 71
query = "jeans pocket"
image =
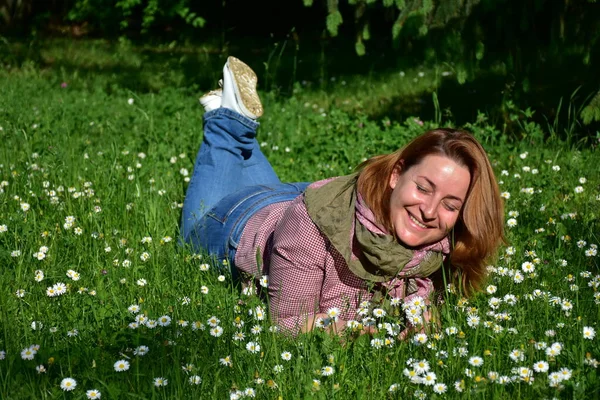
pixel 230 204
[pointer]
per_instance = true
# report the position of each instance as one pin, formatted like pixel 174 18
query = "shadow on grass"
pixel 319 65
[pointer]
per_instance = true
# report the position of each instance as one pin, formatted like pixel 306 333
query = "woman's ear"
pixel 395 175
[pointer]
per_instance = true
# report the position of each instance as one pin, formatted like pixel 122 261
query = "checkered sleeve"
pixel 297 268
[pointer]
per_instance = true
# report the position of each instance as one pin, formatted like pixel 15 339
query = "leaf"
pixel 334 20
pixel 308 3
pixel 479 50
pixel 366 32
pixel 461 76
pixel 360 48
pixel 591 112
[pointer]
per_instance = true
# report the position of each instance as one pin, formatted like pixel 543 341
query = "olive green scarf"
pixel 332 208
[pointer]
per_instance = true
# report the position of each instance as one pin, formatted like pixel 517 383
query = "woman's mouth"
pixel 416 222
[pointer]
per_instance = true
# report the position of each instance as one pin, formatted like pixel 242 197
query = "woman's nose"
pixel 428 209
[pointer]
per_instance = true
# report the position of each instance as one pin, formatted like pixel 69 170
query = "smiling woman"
pixel 337 250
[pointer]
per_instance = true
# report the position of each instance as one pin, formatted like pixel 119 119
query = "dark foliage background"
pixel 502 53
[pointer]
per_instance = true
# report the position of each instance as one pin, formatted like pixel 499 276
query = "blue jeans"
pixel 232 180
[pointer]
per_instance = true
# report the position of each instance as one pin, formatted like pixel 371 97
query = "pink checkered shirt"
pixel 306 274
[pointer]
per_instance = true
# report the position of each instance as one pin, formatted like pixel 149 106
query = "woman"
pixel 334 248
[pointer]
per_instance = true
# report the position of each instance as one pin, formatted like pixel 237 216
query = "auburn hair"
pixel 479 229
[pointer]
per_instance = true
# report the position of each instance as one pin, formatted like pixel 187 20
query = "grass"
pixel 116 158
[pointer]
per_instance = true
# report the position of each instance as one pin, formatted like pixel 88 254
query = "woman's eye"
pixel 450 207
pixel 421 189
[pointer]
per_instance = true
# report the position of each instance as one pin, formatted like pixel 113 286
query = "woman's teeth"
pixel 417 222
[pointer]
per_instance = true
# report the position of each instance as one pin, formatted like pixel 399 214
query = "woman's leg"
pixel 229 159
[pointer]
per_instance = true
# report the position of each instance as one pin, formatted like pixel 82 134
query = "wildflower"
pixel 512 222
pixel 377 343
pixel 68 384
pixel 379 313
pixel 145 256
pixel 73 333
pixel 278 368
pixel 264 281
pixel 41 369
pixel 473 321
pixel 213 321
pixel 141 351
pixel 451 330
pixel 420 338
pixel 286 356
pixel 259 313
pixel 440 388
pixel 578 189
pixel 134 309
pixel 204 267
pixel 589 332
pixel 93 394
pixel 540 366
pixel 429 379
pixel 256 329
pixel 253 347
pixel 226 361
pixel 151 324
pixel 121 365
pixel 165 320
pixel 195 380
pixel 160 381
pixel 74 275
pixel 516 355
pixel 421 367
pixel 554 379
pixel 20 293
pixel 476 361
pixel 505 195
pixel 554 350
pixel 28 353
pixel 565 373
pixel 459 386
pixel 528 267
pixel 249 392
pixel 518 277
pixel 216 331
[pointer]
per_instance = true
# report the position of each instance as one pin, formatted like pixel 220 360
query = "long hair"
pixel 479 229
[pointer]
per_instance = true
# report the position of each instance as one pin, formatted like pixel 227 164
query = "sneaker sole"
pixel 245 86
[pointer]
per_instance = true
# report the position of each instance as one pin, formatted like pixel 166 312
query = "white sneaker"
pixel 239 89
pixel 211 100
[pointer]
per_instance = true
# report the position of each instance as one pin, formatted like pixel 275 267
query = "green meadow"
pixel 98 299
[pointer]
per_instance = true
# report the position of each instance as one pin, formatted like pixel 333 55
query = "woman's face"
pixel 427 198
